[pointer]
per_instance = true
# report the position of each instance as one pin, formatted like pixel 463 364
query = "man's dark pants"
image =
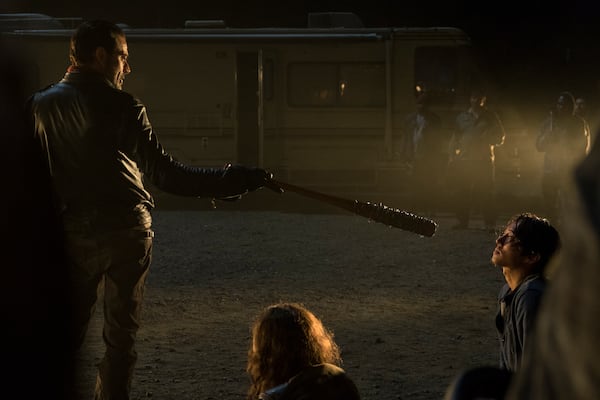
pixel 474 188
pixel 120 260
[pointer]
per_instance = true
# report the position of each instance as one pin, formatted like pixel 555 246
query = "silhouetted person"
pixel 562 360
pixel 478 131
pixel 425 149
pixel 564 140
pixel 99 147
pixel 522 251
pixel 582 110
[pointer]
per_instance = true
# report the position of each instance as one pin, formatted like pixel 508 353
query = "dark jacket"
pixel 423 137
pixel 517 312
pixel 100 145
pixel 318 382
pixel 565 140
pixel 476 136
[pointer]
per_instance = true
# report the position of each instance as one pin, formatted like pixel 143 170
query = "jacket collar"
pixel 79 75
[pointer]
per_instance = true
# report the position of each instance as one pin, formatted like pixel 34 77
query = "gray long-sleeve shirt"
pixel 517 311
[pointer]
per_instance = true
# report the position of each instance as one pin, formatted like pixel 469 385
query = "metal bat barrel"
pixel 376 212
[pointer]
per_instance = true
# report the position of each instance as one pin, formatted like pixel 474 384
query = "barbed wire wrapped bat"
pixel 374 211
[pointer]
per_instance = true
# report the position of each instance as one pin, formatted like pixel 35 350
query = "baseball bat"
pixel 376 212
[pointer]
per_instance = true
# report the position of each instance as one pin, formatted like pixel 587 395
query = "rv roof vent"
pixel 205 23
pixel 334 20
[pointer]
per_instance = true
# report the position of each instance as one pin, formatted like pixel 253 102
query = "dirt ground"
pixel 408 312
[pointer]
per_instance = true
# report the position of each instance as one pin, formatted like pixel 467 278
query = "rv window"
pixel 311 84
pixel 336 84
pixel 362 85
pixel 437 70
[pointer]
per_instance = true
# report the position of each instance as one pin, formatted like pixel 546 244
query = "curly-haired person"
pixel 293 356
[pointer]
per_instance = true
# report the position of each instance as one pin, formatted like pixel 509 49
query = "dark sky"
pixel 521 23
pixel 482 19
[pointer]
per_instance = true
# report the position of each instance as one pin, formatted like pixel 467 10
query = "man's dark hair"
pixel 536 235
pixel 569 100
pixel 91 35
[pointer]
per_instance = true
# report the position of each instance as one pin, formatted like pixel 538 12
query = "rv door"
pixel 249 96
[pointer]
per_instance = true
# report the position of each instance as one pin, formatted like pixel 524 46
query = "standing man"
pixel 98 145
pixel 561 361
pixel 478 131
pixel 425 149
pixel 565 141
pixel 582 110
pixel 522 251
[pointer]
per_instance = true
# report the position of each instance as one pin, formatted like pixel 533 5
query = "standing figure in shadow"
pixel 424 148
pixel 565 140
pixel 477 132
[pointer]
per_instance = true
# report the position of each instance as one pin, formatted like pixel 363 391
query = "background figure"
pixel 522 251
pixel 425 149
pixel 564 139
pixel 97 146
pixel 478 131
pixel 293 356
pixel 563 360
pixel 582 110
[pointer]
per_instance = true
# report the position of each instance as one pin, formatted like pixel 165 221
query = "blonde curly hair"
pixel 286 338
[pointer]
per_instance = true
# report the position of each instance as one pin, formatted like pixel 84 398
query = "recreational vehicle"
pixel 319 106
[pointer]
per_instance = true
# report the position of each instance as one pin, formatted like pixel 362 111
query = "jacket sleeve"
pixel 581 142
pixel 526 313
pixel 169 174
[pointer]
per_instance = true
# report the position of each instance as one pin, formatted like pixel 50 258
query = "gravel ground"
pixel 408 312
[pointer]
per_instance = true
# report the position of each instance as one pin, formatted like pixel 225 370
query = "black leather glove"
pixel 241 179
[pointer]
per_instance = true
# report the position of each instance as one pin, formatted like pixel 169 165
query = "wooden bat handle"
pixel 376 212
pixel 326 198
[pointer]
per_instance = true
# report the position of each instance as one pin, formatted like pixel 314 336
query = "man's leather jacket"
pixel 99 143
